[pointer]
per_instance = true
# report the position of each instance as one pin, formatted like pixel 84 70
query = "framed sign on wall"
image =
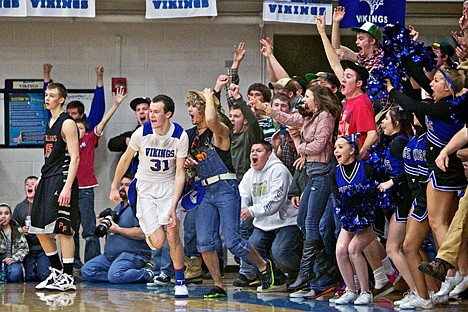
pixel 24 113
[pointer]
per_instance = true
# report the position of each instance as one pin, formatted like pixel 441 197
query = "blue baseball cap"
pixel 192 199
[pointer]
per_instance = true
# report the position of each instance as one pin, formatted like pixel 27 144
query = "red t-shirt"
pixel 85 174
pixel 357 115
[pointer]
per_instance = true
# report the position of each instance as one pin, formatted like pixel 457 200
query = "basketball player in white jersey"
pixel 162 147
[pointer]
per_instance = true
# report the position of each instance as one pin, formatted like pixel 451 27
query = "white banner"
pixel 180 8
pixel 293 11
pixel 62 8
pixel 13 8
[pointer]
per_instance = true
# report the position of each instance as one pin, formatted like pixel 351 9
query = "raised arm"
pixel 332 57
pixel 98 106
pixel 343 52
pixel 219 129
pixel 338 15
pixel 239 54
pixel 275 69
pixel 118 96
pixel 463 22
pixel 47 68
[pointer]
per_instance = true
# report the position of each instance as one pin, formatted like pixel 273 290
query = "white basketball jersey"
pixel 157 154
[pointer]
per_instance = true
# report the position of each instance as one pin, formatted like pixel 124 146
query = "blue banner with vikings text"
pixel 297 11
pixel 379 12
pixel 180 9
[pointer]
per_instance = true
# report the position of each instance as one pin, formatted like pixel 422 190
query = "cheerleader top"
pixel 420 152
pixel 394 161
pixel 346 178
pixel 355 201
pixel 414 156
pixel 441 126
pixel 410 154
pixel 439 132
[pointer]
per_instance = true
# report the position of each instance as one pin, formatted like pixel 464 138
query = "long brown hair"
pixel 325 99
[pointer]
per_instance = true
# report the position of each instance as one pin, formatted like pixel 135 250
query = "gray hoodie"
pixel 265 194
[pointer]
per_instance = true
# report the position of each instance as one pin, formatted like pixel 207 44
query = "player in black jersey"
pixel 55 206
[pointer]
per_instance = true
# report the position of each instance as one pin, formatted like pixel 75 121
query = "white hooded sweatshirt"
pixel 265 194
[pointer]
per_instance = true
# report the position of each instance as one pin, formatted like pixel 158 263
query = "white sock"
pixel 380 277
pixel 387 265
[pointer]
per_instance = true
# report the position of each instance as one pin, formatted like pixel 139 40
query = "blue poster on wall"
pixel 379 12
pixel 28 118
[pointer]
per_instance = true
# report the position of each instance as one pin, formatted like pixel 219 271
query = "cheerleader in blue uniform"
pixel 442 188
pixel 357 214
pixel 417 228
pixel 396 126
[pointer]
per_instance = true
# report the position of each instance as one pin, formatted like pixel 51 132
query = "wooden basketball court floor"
pixel 19 297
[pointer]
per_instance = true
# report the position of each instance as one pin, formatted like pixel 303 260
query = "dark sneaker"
pixel 437 268
pixel 385 290
pixel 267 277
pixel 161 280
pixel 244 281
pixel 215 292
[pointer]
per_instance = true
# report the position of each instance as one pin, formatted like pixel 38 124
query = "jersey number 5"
pixel 157 165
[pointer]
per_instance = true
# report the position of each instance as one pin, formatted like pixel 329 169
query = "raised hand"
pixel 208 94
pixel 267 47
pixel 413 32
pixel 338 14
pixel 221 82
pixel 320 22
pixel 234 89
pixel 99 75
pixel 119 96
pixel 239 52
pixel 47 69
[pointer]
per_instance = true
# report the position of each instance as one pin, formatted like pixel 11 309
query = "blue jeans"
pixel 36 266
pixel 14 271
pixel 190 236
pixel 327 228
pixel 87 218
pixel 248 270
pixel 283 246
pixel 162 261
pixel 312 206
pixel 221 207
pixel 126 268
